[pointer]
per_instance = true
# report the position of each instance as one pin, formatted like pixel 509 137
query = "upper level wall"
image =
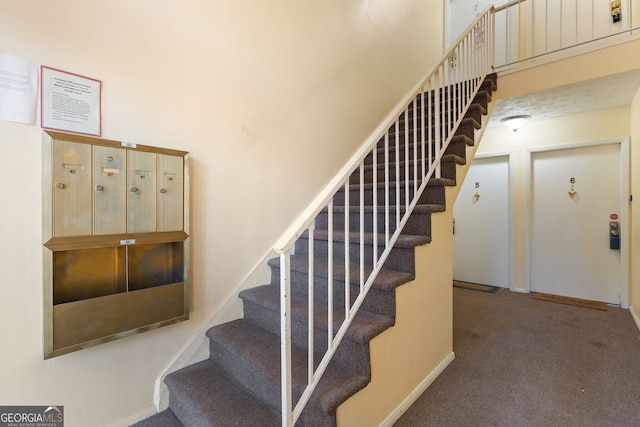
pixel 586 66
pixel 270 99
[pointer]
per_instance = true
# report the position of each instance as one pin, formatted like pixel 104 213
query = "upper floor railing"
pixel 534 30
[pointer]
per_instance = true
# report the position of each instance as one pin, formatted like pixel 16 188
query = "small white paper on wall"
pixel 18 89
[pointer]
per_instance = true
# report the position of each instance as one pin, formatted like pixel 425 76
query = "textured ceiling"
pixel 598 94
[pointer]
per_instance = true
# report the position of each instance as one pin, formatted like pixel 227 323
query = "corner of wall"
pixel 635 317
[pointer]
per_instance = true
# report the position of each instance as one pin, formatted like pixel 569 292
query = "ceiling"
pixel 598 94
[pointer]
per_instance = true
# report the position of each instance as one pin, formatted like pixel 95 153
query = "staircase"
pixel 240 383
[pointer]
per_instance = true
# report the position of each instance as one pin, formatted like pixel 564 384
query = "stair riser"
pixel 377 301
pixel 399 259
pixel 354 195
pixel 467 129
pixel 349 354
pixel 456 146
pixel 414 171
pixel 418 223
pixel 430 134
pixel 450 96
pixel 403 156
pixel 252 376
pixel 448 168
pixel 431 195
pixel 180 405
pixel 487 85
pixel 430 122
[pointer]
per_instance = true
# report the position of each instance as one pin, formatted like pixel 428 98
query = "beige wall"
pixel 270 98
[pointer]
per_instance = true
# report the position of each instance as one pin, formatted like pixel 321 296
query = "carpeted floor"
pixel 524 362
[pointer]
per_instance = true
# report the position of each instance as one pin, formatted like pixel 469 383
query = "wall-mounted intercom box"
pixel 115 240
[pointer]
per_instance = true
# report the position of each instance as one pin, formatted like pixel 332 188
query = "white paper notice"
pixel 18 89
pixel 70 102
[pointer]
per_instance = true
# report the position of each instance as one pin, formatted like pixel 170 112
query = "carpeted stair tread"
pixel 453 158
pixel 474 106
pixel 387 280
pixel 465 138
pixel 204 395
pixel 165 418
pixel 424 208
pixel 381 185
pixel 404 240
pixel 402 130
pixel 368 168
pixel 252 355
pixel 364 327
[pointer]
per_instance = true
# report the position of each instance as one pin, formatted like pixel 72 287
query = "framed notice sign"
pixel 70 102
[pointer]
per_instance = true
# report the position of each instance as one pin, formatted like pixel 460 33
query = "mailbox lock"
pixel 110 159
pixel 99 187
pixel 133 189
pixel 163 190
pixel 59 186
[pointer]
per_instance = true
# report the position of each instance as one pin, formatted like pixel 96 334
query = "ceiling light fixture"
pixel 515 122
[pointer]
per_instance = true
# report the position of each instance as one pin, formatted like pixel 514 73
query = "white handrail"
pixel 455 80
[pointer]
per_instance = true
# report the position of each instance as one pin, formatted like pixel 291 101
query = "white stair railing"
pixel 418 131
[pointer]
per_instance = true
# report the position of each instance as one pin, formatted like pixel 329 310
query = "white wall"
pixel 270 99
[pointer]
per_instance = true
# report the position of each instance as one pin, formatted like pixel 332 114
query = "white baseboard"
pixel 417 392
pixel 134 418
pixel 635 316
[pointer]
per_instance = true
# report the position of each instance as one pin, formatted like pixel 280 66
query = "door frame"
pixel 509 154
pixel 624 207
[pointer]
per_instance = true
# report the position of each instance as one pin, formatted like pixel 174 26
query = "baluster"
pixel 406 159
pixel 374 203
pixel 330 278
pixel 285 338
pixel 310 293
pixel 361 226
pixel 422 132
pixel 397 143
pixel 415 146
pixel 347 257
pixel 386 189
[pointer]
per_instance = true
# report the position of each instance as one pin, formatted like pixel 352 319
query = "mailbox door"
pixel 72 189
pixel 141 176
pixel 109 190
pixel 170 193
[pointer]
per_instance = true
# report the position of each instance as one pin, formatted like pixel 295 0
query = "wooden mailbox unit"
pixel 116 242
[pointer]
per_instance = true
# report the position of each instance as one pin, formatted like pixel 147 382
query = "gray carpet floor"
pixel 523 362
